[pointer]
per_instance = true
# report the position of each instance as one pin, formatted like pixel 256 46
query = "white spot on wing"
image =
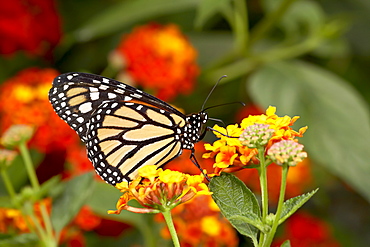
pixel 94 96
pixel 80 119
pixel 111 95
pixel 103 87
pixel 85 107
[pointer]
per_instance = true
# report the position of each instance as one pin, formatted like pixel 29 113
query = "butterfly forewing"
pixel 122 127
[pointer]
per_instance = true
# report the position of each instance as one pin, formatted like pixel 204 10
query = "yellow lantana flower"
pixel 159 190
pixel 230 153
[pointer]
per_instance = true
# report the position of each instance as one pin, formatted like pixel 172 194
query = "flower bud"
pixel 6 158
pixel 287 152
pixel 256 135
pixel 16 135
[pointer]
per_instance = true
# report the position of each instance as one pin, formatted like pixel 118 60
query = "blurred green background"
pixel 307 58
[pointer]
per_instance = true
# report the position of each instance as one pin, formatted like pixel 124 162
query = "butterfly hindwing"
pixel 123 136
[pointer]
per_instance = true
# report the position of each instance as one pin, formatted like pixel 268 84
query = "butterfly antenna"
pixel 235 102
pixel 213 88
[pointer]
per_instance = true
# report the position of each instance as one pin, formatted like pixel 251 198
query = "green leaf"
pixel 208 8
pixel 300 16
pixel 50 187
pixel 336 114
pixel 286 244
pixel 125 13
pixel 293 204
pixel 240 222
pixel 21 240
pixel 105 198
pixel 68 204
pixel 234 199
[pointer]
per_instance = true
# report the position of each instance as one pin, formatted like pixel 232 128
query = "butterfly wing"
pixel 76 96
pixel 123 127
pixel 124 136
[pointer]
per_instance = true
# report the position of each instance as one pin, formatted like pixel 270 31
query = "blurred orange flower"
pixel 160 58
pixel 29 25
pixel 298 181
pixel 24 100
pixel 13 221
pixel 200 223
pixel 73 234
pixel 305 230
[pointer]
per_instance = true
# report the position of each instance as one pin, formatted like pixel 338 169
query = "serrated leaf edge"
pixel 297 202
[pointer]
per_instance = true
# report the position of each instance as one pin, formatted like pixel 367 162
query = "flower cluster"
pixel 238 145
pixel 31 26
pixel 13 220
pixel 159 58
pixel 159 190
pixel 305 230
pixel 287 152
pixel 24 100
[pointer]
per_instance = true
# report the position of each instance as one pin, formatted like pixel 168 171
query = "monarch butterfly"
pixel 123 127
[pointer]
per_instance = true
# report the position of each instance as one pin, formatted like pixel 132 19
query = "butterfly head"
pixel 194 128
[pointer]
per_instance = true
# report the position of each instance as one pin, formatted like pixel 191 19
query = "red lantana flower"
pixel 304 230
pixel 29 25
pixel 160 58
pixel 24 100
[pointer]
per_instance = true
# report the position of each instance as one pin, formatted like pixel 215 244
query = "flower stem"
pixel 269 21
pixel 171 227
pixel 263 184
pixel 47 237
pixel 271 234
pixel 8 184
pixel 29 167
pixel 240 26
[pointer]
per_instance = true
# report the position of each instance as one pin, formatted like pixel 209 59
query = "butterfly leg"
pixel 195 162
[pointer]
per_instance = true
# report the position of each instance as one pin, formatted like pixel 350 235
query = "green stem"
pixel 28 210
pixel 240 26
pixel 263 183
pixel 29 167
pixel 246 65
pixel 47 221
pixel 264 191
pixel 171 227
pixel 271 234
pixel 268 22
pixel 47 236
pixel 8 184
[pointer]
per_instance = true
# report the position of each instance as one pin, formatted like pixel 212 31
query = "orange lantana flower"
pixel 13 220
pixel 229 151
pixel 160 58
pixel 24 100
pixel 159 190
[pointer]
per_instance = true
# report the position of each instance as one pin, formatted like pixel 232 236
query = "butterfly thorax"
pixel 193 129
